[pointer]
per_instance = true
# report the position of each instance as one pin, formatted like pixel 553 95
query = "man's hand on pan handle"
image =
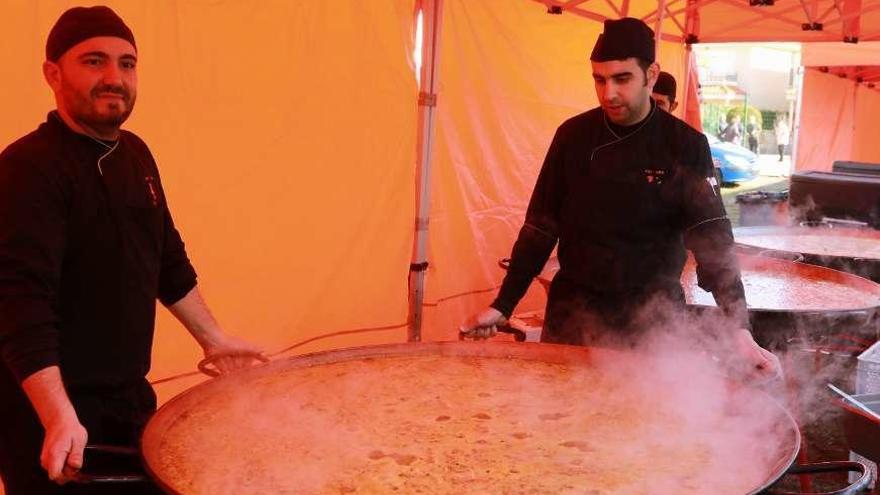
pixel 65 438
pixel 751 362
pixel 484 324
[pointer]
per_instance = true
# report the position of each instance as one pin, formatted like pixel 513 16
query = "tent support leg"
pixel 432 13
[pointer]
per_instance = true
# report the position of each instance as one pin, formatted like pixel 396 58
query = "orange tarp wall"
pixel 827 118
pixel 839 116
pixel 838 122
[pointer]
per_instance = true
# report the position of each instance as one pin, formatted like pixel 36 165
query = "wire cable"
pixel 292 347
pixel 337 334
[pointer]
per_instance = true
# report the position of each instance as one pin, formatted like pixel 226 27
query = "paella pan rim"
pixel 740 235
pixel 169 412
pixel 755 262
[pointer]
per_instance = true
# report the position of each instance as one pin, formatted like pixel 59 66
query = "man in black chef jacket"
pixel 87 246
pixel 625 189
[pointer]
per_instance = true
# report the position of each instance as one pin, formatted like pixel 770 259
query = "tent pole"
pixel 688 49
pixel 658 27
pixel 432 13
pixel 691 33
pixel 852 27
pixel 794 118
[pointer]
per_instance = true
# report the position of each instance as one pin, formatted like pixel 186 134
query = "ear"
pixel 653 73
pixel 673 106
pixel 52 74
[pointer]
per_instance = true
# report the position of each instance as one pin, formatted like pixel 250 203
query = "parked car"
pixel 733 163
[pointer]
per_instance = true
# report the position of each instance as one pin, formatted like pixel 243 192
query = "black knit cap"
pixel 665 85
pixel 624 38
pixel 81 23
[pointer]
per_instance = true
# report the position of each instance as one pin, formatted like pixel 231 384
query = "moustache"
pixel 118 90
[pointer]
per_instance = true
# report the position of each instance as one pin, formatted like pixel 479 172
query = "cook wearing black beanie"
pixel 622 39
pixel 624 191
pixel 624 70
pixel 87 247
pixel 82 48
pixel 81 23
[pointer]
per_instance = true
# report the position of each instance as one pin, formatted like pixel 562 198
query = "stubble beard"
pixel 104 116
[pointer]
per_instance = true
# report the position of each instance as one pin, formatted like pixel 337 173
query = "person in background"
pixel 783 134
pixel 87 245
pixel 664 92
pixel 722 124
pixel 624 190
pixel 752 134
pixel 733 132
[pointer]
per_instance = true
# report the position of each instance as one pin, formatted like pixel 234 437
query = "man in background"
pixel 733 132
pixel 783 134
pixel 752 134
pixel 664 92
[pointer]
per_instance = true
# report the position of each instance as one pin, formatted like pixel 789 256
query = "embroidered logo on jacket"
pixel 654 175
pixel 152 190
pixel 712 184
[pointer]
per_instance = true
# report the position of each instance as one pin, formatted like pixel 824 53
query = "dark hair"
pixel 666 85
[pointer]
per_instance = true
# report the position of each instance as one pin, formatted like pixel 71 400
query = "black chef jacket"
pixel 87 245
pixel 624 205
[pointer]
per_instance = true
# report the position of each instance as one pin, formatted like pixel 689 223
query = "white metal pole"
pixel 794 121
pixel 432 13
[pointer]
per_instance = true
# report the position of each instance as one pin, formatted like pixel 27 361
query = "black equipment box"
pixel 814 195
pixel 862 168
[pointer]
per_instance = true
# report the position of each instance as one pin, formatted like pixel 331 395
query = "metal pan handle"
pixel 816 223
pixel 86 478
pixel 518 335
pixel 208 367
pixel 830 467
pixel 89 478
pixel 782 255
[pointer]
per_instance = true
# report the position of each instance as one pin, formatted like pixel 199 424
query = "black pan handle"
pixel 831 467
pixel 208 367
pixel 504 263
pixel 518 335
pixel 85 477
